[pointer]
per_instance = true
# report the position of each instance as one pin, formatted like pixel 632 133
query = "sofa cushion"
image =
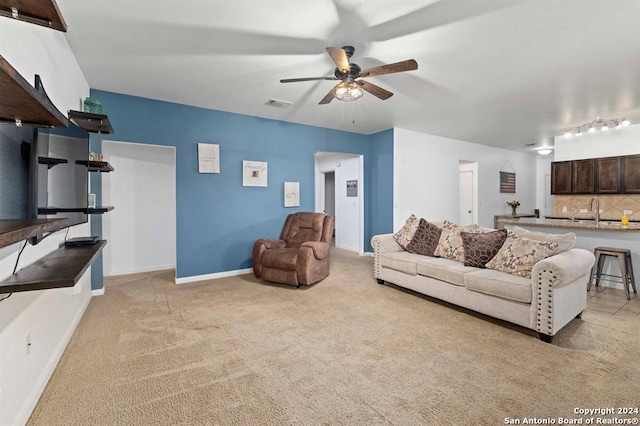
pixel 450 243
pixel 519 254
pixel 426 238
pixel 500 284
pixel 442 269
pixel 406 233
pixel 564 241
pixel 481 247
pixel 401 261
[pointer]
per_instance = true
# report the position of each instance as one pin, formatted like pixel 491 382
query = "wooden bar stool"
pixel 624 262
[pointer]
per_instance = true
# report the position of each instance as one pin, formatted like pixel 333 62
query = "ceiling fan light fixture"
pixel 625 121
pixel 618 125
pixel 348 91
pixel 604 127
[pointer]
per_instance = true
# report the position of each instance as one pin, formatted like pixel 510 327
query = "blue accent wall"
pixel 379 216
pixel 217 218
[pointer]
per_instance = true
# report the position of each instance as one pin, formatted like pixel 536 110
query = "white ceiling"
pixel 498 72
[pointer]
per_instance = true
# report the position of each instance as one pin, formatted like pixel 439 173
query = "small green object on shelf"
pixel 92 106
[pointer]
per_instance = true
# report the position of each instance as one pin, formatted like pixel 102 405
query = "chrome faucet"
pixel 597 211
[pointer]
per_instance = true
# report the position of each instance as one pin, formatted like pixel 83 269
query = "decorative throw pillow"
pixel 426 238
pixel 564 241
pixel 405 234
pixel 450 243
pixel 479 248
pixel 518 255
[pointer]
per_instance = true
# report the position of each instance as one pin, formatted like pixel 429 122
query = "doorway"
pixel 143 192
pixel 467 190
pixel 334 171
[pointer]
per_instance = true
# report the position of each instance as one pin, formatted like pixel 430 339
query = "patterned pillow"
pixel 426 238
pixel 479 248
pixel 450 244
pixel 519 254
pixel 564 241
pixel 405 234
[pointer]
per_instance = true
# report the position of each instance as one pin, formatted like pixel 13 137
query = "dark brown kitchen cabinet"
pixel 583 176
pixel 561 177
pixel 608 175
pixel 630 175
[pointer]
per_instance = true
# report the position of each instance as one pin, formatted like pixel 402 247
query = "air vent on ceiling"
pixel 278 103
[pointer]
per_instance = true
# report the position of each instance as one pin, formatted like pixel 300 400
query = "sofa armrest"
pixel 271 243
pixel 320 249
pixel 258 248
pixel 383 243
pixel 560 288
pixel 563 268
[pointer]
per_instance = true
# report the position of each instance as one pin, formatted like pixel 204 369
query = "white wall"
pixel 141 230
pixel 426 178
pixel 48 316
pixel 349 215
pixel 544 201
pixel 614 142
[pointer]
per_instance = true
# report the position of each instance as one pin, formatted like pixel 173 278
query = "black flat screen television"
pixel 58 175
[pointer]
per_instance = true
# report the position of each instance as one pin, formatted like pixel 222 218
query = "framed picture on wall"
pixel 507 182
pixel 292 194
pixel 254 173
pixel 352 188
pixel 208 158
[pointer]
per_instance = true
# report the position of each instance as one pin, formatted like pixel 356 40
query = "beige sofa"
pixel 555 294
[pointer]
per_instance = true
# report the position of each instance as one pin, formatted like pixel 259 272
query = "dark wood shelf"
pixel 60 268
pixel 39 12
pixel 21 101
pixel 90 210
pixel 99 209
pixel 14 230
pixel 95 123
pixel 96 166
pixel 50 162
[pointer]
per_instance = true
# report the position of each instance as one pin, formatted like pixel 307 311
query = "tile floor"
pixel 612 301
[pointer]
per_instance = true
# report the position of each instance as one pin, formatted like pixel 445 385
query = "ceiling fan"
pixel 351 89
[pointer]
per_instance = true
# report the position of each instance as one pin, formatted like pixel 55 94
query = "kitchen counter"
pixel 588 237
pixel 587 224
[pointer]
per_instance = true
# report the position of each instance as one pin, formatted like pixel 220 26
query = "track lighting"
pixel 598 123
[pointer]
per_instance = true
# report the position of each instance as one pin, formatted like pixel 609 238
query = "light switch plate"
pixel 564 209
pixel 583 210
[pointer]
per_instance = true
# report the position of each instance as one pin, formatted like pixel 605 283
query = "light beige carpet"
pixel 345 351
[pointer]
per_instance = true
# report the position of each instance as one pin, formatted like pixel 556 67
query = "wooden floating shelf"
pixel 39 12
pixel 21 101
pixel 94 123
pixel 15 230
pixel 50 162
pixel 89 210
pixel 96 166
pixel 60 268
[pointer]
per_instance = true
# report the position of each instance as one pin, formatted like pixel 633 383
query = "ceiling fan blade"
pixel 408 65
pixel 328 97
pixel 376 91
pixel 339 56
pixel 295 80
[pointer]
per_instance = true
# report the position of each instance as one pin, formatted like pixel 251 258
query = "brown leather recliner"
pixel 301 255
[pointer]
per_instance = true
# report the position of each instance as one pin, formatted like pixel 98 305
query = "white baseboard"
pixel 98 292
pixel 32 400
pixel 367 253
pixel 195 278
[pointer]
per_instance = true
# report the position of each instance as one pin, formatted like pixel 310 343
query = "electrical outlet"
pixel 600 211
pixel 627 212
pixel 564 209
pixel 583 210
pixel 28 343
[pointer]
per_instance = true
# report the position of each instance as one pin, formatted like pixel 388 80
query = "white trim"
pixel 129 271
pixel 213 276
pixel 367 253
pixel 97 292
pixel 47 372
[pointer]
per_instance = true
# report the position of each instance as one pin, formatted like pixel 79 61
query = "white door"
pixel 465 216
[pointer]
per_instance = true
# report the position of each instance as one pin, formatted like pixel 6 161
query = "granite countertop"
pixel 589 224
